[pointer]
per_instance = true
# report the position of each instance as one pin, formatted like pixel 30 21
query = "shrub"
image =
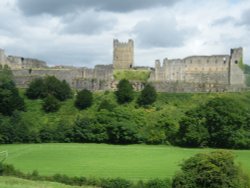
pixel 210 170
pixel 36 89
pixel 115 183
pixel 148 96
pixel 124 132
pixel 124 93
pixel 106 105
pixel 51 104
pixel 59 89
pixel 84 99
pixel 10 100
pixel 158 183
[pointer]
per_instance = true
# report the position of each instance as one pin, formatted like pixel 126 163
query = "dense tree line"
pixel 221 122
pixel 50 85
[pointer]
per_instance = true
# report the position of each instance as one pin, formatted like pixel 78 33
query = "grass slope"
pixel 11 182
pixel 133 162
pixel 139 75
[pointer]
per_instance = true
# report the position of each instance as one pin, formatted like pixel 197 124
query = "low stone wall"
pixel 185 87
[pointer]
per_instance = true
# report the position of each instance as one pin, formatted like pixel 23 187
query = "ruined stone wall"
pixel 25 63
pixel 195 69
pixel 78 78
pixel 215 71
pixel 3 58
pixel 188 87
pixel 123 54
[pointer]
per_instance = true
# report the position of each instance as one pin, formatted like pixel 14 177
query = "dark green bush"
pixel 84 99
pixel 210 170
pixel 50 85
pixel 125 92
pixel 36 89
pixel 51 104
pixel 148 96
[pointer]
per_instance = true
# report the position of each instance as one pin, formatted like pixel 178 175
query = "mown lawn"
pixel 133 162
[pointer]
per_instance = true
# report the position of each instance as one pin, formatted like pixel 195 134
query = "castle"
pixel 214 73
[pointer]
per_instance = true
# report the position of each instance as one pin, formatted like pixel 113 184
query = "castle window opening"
pixel 236 62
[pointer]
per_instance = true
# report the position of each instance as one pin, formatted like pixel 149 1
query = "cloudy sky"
pixel 81 32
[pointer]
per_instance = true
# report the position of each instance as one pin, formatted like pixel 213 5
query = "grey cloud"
pixel 245 18
pixel 224 20
pixel 160 32
pixel 58 7
pixel 87 23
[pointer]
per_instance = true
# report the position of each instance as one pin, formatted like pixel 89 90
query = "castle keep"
pixel 123 54
pixel 215 73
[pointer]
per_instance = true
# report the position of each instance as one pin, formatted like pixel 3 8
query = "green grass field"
pixel 11 182
pixel 133 162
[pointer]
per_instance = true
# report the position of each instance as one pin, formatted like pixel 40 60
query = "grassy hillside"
pixel 11 182
pixel 139 75
pixel 133 162
pixel 167 110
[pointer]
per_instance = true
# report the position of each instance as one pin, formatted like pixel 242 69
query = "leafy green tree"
pixel 59 89
pixel 222 122
pixel 50 104
pixel 107 105
pixel 84 99
pixel 125 92
pixel 10 100
pixel 65 91
pixel 124 132
pixel 211 170
pixel 192 133
pixel 36 89
pixel 50 85
pixel 87 129
pixel 148 95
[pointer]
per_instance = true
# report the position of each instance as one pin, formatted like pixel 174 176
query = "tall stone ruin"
pixel 123 54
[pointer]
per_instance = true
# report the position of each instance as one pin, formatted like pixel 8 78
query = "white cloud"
pixel 63 33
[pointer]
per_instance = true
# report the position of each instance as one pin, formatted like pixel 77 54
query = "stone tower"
pixel 236 75
pixel 123 54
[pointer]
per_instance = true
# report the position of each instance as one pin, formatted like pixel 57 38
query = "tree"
pixel 211 170
pixel 50 85
pixel 124 93
pixel 124 132
pixel 36 89
pixel 84 99
pixel 50 104
pixel 148 95
pixel 10 100
pixel 59 89
pixel 222 122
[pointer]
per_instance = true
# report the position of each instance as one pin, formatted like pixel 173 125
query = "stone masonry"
pixel 215 73
pixel 201 73
pixel 123 54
